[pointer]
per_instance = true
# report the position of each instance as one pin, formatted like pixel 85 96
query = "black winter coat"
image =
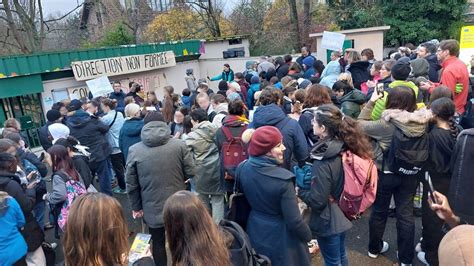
pixel 282 71
pixel 328 180
pixel 433 73
pixel 92 133
pixel 360 73
pixel 462 183
pixel 44 136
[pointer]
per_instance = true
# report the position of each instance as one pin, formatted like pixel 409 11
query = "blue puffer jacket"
pixel 130 134
pixel 250 95
pixel 293 136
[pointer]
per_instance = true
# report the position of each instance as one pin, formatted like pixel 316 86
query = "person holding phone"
pixel 442 138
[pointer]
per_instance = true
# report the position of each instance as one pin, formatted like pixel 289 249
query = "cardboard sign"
pixel 113 66
pixel 100 86
pixel 333 41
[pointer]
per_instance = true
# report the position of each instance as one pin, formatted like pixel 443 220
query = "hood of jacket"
pixel 326 149
pixel 222 107
pixel 6 177
pixel 355 96
pixel 360 65
pixel 404 83
pixel 78 119
pixel 133 127
pixel 269 115
pixel 155 133
pixel 420 67
pixel 268 166
pixel 333 68
pixel 411 124
pixel 205 130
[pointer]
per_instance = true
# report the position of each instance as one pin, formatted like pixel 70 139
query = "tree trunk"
pixel 306 21
pixel 294 24
pixel 11 24
pixel 214 17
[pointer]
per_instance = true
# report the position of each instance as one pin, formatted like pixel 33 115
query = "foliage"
pixel 118 35
pixel 410 21
pixel 182 23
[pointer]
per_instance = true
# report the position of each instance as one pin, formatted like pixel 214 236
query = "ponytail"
pixel 454 130
pixel 344 128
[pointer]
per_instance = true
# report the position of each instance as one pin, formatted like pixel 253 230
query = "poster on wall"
pixel 466 45
pixel 78 92
pixel 114 66
pixel 99 86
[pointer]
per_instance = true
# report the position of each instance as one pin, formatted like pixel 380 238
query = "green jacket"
pixel 381 103
pixel 350 103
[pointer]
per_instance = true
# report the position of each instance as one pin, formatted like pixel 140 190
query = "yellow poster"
pixel 467 37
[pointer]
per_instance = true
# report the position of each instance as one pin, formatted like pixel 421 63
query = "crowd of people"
pixel 184 160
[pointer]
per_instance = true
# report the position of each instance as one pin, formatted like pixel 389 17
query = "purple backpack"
pixel 73 190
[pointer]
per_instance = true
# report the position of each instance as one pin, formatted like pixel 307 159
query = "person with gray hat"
pixel 190 79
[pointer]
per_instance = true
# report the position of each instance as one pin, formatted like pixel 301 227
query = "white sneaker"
pixel 418 247
pixel 403 264
pixel 421 257
pixel 385 248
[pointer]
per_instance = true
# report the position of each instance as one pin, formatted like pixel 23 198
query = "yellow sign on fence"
pixel 467 37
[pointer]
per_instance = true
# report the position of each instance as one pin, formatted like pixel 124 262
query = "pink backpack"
pixel 73 190
pixel 360 185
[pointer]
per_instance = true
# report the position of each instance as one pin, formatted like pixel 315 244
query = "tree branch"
pixel 65 15
pixel 12 26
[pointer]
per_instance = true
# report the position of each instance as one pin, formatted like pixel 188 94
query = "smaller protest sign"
pixel 333 41
pixel 100 86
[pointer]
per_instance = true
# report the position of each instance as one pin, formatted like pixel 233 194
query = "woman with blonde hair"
pixel 192 235
pixel 97 233
pixel 11 125
pixel 131 129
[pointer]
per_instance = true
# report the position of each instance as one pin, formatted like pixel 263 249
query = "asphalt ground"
pixel 356 238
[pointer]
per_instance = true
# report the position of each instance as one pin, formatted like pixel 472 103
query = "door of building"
pixel 28 111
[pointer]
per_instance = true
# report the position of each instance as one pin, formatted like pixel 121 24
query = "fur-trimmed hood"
pixel 411 124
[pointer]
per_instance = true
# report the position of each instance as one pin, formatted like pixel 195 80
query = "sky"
pixel 55 7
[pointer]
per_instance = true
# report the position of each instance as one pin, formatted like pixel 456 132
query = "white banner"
pixel 100 86
pixel 333 41
pixel 112 66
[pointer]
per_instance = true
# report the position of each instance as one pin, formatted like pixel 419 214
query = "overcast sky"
pixel 54 7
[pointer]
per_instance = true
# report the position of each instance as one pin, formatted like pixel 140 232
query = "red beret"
pixel 263 140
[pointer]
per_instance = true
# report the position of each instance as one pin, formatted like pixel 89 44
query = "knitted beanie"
pixel 263 140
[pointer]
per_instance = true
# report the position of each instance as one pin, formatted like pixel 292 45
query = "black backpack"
pixel 241 251
pixel 406 156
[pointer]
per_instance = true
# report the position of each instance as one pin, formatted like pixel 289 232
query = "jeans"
pixel 104 172
pixel 215 203
pixel 333 249
pixel 38 210
pixel 403 189
pixel 158 239
pixel 119 169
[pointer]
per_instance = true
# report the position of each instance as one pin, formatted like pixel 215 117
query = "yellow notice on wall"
pixel 467 37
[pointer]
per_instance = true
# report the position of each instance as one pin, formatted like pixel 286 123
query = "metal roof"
pixel 19 65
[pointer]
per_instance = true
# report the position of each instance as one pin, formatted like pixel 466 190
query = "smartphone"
pixel 430 187
pixel 380 88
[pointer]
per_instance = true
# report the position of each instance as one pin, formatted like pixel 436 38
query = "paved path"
pixel 356 239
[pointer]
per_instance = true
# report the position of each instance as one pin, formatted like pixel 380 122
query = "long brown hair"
pixel 192 235
pixel 316 95
pixel 96 232
pixel 168 109
pixel 344 128
pixel 62 162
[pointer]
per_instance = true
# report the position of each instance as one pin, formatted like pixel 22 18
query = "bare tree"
pixel 210 14
pixel 26 24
